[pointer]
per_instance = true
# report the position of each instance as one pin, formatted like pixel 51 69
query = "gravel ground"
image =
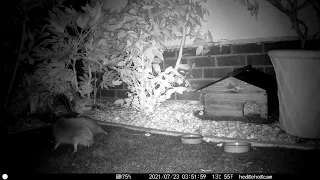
pixel 181 116
pixel 187 117
pixel 125 150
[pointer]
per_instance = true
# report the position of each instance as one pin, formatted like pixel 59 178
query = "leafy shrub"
pixel 125 46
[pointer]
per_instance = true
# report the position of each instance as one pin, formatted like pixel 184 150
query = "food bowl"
pixel 236 147
pixel 191 139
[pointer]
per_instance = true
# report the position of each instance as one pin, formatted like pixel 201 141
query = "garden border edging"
pixel 215 139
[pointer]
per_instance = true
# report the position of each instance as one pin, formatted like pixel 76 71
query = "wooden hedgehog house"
pixel 243 92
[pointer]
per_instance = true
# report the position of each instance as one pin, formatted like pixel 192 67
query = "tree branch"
pixel 305 4
pixel 183 37
pixel 279 6
pixel 292 11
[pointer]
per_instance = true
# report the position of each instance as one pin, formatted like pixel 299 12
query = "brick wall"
pixel 217 64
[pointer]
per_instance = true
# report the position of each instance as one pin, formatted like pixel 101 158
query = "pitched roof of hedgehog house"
pixel 252 76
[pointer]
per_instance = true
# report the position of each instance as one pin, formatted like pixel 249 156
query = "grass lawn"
pixel 128 151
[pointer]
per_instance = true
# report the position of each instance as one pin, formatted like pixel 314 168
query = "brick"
pixel 97 74
pixel 313 45
pixel 215 50
pixel 259 68
pixel 168 63
pixel 196 84
pixel 270 70
pixel 195 96
pixel 246 48
pixel 195 73
pixel 216 72
pixel 282 45
pixel 169 54
pixel 124 85
pixel 231 61
pixel 173 62
pixel 117 87
pixel 188 52
pixel 106 93
pixel 161 65
pixel 262 59
pixel 173 96
pixel 183 61
pixel 122 93
pixel 203 61
pixel 121 86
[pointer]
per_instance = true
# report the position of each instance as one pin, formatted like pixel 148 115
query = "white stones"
pixel 178 116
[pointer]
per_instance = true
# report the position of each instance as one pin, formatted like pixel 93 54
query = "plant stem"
pixel 183 37
pixel 75 77
pixel 292 13
pixel 16 65
pixel 89 81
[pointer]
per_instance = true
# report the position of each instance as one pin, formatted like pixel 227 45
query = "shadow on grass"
pixel 128 151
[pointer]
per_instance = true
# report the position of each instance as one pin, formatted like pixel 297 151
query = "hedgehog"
pixel 69 131
pixel 91 123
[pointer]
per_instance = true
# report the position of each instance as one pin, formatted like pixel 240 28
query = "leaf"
pixel 88 7
pixel 121 63
pixel 86 20
pixel 169 78
pixel 61 65
pixel 45 34
pixel 113 28
pixel 68 10
pixel 158 53
pixel 109 83
pixel 168 93
pixel 82 78
pixel 198 41
pixel 149 54
pixel 43 28
pixel 156 68
pixel 119 102
pixel 24 56
pixel 179 80
pixel 199 50
pixel 57 27
pixel 196 21
pixel 205 51
pixel 184 66
pixel 175 72
pixel 137 61
pixel 82 21
pixel 156 61
pixel 209 37
pixel 53 16
pixel 166 84
pixel 199 10
pixel 180 90
pixel 121 34
pixel 101 57
pixel 169 69
pixel 205 36
pixel 31 42
pixel 132 33
pixel 97 5
pixel 31 60
pixel 103 85
pixel 54 71
pixel 148 7
pixel 176 31
pixel 116 83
